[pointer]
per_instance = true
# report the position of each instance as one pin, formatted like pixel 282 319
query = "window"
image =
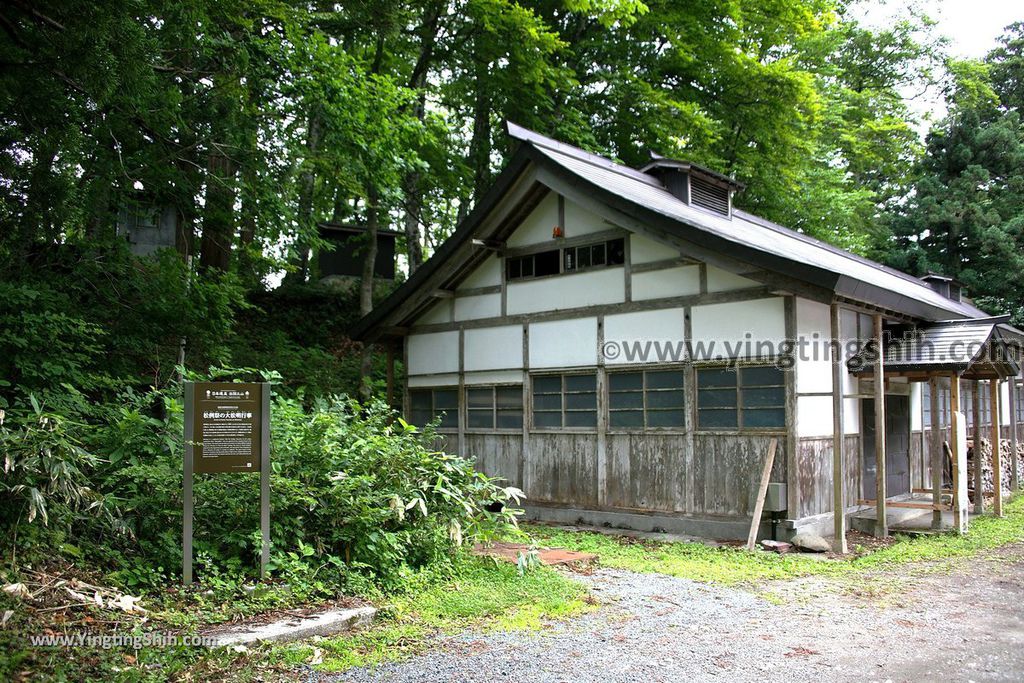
pixel 1020 402
pixel 428 404
pixel 744 398
pixel 647 399
pixel 534 265
pixel 494 407
pixel 565 401
pixel 611 253
pixel 568 260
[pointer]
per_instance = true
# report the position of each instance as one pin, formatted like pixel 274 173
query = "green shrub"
pixel 354 491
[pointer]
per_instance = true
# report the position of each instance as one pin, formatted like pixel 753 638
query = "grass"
pixel 733 566
pixel 483 594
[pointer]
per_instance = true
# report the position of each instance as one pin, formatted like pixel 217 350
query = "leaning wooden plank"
pixel 762 491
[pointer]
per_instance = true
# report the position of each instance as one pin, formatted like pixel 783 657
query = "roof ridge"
pixel 533 138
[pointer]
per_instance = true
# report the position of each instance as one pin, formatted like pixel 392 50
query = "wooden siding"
pixel 814 473
pixel 562 468
pixel 726 469
pixel 920 467
pixel 648 471
pixel 497 455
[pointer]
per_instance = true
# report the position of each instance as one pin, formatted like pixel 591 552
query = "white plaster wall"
pixel 605 286
pixel 473 307
pixel 495 377
pixel 813 367
pixel 851 416
pixel 563 343
pixel 723 281
pixel 644 250
pixel 487 274
pixel 762 319
pixel 433 381
pixel 661 284
pixel 440 312
pixel 916 395
pixel 433 353
pixel 665 327
pixel 494 348
pixel 580 221
pixel 814 416
pixel 537 226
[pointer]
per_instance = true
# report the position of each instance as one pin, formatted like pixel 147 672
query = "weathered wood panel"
pixel 726 470
pixel 920 468
pixel 814 467
pixel 562 468
pixel 854 473
pixel 647 471
pixel 497 455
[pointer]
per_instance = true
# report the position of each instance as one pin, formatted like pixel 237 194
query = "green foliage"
pixel 48 475
pixel 964 217
pixel 354 490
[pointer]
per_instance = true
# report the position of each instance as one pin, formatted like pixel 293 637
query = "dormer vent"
pixel 709 196
pixel 695 185
pixel 945 285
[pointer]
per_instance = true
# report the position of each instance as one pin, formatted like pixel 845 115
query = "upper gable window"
pixel 534 265
pixel 567 260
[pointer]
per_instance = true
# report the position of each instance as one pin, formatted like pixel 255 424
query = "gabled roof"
pixel 974 349
pixel 781 255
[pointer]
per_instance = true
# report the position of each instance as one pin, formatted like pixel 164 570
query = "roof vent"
pixel 695 185
pixel 945 285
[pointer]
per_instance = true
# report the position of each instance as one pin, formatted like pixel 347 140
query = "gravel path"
pixel 914 625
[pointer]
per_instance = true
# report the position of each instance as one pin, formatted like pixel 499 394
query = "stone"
pixel 296 628
pixel 776 546
pixel 805 540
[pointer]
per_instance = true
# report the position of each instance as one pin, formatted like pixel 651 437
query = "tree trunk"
pixel 366 287
pixel 307 189
pixel 219 213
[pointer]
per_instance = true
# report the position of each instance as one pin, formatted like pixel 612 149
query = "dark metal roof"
pixel 973 348
pixel 658 161
pixel 792 256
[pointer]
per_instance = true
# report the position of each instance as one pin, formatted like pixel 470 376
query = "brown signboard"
pixel 228 426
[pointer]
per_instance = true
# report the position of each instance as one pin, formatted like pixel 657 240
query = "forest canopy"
pixel 254 122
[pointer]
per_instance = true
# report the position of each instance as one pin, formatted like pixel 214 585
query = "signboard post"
pixel 227 429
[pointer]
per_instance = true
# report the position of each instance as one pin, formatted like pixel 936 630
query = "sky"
pixel 973 26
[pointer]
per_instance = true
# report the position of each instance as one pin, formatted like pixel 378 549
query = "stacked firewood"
pixel 1006 464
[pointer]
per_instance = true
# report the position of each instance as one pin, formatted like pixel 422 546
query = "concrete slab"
pixel 326 623
pixel 550 556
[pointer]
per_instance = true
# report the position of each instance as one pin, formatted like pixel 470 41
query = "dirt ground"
pixel 949 622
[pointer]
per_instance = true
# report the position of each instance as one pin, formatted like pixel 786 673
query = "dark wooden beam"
pixel 881 523
pixel 838 438
pixel 997 465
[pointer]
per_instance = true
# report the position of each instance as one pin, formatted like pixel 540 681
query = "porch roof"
pixel 973 349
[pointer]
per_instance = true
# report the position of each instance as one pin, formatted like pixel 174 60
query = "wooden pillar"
pixel 997 465
pixel 938 456
pixel 838 438
pixel 792 471
pixel 954 405
pixel 881 523
pixel 979 481
pixel 1014 465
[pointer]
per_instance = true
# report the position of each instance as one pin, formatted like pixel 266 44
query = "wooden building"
pixel 623 344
